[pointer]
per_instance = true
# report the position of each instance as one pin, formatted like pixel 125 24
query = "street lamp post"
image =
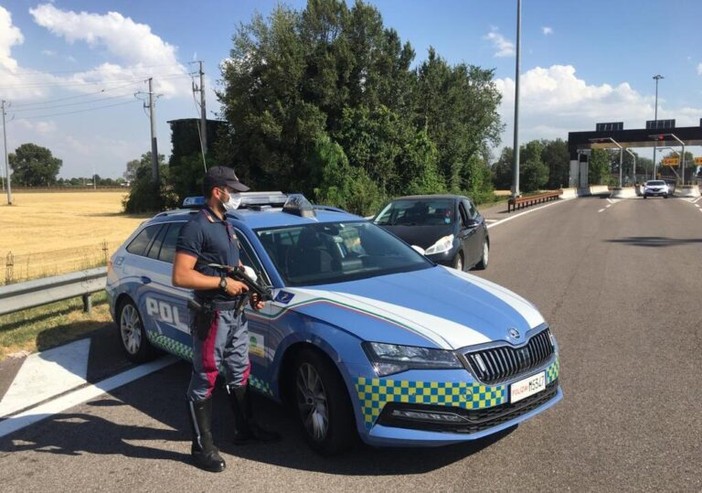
pixel 634 156
pixel 656 77
pixel 674 152
pixel 515 171
pixel 682 157
pixel 621 154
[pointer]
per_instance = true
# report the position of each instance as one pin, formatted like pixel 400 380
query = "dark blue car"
pixel 448 228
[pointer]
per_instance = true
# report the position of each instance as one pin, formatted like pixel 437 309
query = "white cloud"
pixel 138 52
pixel 546 30
pixel 554 101
pixel 10 35
pixel 699 69
pixel 503 46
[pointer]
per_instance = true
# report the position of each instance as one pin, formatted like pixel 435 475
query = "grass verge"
pixel 51 325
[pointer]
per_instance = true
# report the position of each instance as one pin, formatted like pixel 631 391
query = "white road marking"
pixel 80 396
pixel 502 221
pixel 47 374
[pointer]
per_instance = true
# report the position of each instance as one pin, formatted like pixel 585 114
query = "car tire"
pixel 645 197
pixel 322 404
pixel 485 257
pixel 132 335
pixel 665 196
pixel 458 261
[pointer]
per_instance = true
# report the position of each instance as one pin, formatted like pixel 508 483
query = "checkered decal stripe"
pixel 181 350
pixel 552 371
pixel 374 393
pixel 260 385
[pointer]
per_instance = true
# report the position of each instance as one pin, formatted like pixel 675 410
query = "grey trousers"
pixel 227 348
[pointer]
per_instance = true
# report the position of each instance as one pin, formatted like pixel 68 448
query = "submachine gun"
pixel 241 273
pixel 245 274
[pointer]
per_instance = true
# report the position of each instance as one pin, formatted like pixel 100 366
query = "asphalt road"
pixel 617 280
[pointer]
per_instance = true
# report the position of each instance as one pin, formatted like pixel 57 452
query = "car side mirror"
pixel 472 223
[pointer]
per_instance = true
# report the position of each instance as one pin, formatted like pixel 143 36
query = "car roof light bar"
pixel 298 205
pixel 248 200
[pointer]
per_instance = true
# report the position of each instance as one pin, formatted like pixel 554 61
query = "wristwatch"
pixel 223 283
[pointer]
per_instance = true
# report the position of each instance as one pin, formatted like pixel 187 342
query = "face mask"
pixel 232 204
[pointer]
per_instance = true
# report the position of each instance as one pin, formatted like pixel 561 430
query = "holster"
pixel 204 314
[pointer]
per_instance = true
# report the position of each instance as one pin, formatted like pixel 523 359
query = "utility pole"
pixel 154 146
pixel 4 138
pixel 203 112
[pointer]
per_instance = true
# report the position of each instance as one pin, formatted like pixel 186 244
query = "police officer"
pixel 220 335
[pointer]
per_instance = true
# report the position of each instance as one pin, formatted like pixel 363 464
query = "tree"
pixel 556 157
pixel 33 166
pixel 141 196
pixel 599 171
pixel 334 71
pixel 533 173
pixel 502 170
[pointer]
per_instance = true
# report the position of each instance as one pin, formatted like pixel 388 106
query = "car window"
pixel 169 242
pixel 464 213
pixel 142 241
pixel 337 252
pixel 248 257
pixel 419 212
pixel 152 251
pixel 470 208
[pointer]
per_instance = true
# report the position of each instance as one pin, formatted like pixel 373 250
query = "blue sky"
pixel 73 71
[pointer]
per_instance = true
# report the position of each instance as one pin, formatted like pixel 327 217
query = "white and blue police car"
pixel 364 337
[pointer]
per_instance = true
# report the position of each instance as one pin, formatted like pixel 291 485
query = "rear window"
pixel 420 212
pixel 157 241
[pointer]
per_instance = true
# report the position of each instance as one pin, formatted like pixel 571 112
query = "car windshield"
pixel 655 183
pixel 323 253
pixel 421 212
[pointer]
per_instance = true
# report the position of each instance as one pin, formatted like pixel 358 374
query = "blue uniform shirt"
pixel 211 241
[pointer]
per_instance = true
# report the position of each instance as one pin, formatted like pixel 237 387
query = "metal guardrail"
pixel 524 201
pixel 30 294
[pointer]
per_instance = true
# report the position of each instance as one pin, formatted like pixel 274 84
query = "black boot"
pixel 246 430
pixel 205 454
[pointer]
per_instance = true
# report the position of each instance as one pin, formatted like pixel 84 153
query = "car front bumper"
pixel 395 411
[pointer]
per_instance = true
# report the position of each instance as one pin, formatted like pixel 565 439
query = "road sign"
pixel 698 160
pixel 671 161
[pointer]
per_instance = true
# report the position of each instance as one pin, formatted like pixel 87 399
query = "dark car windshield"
pixel 420 212
pixel 324 253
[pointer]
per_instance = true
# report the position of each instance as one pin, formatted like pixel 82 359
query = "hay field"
pixel 46 233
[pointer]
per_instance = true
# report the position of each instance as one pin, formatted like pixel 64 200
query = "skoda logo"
pixel 513 335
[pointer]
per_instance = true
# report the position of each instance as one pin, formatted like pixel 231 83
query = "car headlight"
pixel 394 358
pixel 442 245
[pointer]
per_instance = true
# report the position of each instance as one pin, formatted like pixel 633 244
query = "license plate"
pixel 529 386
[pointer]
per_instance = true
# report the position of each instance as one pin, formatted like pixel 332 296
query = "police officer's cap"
pixel 222 176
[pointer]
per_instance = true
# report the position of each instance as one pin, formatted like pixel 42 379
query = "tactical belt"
pixel 222 305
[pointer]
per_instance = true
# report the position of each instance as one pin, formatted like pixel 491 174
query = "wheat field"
pixel 45 233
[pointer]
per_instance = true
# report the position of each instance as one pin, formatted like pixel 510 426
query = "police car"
pixel 365 337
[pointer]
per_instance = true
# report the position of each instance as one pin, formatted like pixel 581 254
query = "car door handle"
pixel 145 280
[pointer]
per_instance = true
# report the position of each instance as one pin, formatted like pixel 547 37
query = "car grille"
pixel 497 364
pixel 460 420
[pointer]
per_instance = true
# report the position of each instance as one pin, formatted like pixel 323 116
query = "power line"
pixel 53 106
pixel 66 83
pixel 78 111
pixel 90 94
